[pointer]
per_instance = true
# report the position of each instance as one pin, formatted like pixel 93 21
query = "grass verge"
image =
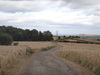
pixel 47 48
pixel 84 63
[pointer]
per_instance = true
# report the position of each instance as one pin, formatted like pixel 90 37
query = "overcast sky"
pixel 66 16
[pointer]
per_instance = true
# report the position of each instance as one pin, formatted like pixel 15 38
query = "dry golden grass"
pixel 87 55
pixel 35 45
pixel 10 55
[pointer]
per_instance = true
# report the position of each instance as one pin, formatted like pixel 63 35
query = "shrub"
pixel 29 51
pixel 44 49
pixel 47 48
pixel 97 71
pixel 6 39
pixel 15 44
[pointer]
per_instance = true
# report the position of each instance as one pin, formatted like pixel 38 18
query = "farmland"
pixel 77 39
pixel 87 55
pixel 12 57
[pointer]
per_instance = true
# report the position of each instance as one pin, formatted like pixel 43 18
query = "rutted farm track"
pixel 46 63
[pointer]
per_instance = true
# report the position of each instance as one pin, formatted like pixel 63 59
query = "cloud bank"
pixel 66 16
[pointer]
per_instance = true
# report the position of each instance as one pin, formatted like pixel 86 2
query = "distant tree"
pixel 64 36
pixel 47 36
pixel 6 39
pixel 34 35
pixel 27 35
pixel 71 37
pixel 77 37
pixel 59 37
pixel 40 36
pixel 98 39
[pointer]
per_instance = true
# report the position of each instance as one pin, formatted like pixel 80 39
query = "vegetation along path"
pixel 46 63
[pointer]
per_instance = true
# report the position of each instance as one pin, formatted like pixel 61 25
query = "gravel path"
pixel 46 63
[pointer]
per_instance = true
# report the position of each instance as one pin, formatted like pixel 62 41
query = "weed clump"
pixel 97 70
pixel 15 44
pixel 47 48
pixel 29 51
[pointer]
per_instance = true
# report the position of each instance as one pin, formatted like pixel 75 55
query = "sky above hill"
pixel 65 16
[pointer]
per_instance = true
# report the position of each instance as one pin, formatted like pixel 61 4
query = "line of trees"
pixel 19 34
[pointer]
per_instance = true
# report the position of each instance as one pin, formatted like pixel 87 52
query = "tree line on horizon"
pixel 18 34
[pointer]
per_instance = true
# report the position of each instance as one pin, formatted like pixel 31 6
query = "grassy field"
pixel 79 40
pixel 11 57
pixel 35 45
pixel 87 55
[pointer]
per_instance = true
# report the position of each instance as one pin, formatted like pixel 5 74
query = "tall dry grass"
pixel 35 45
pixel 88 55
pixel 8 56
pixel 11 55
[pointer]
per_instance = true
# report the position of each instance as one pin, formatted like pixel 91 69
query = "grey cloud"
pixel 92 7
pixel 22 6
pixel 26 5
pixel 83 2
pixel 17 0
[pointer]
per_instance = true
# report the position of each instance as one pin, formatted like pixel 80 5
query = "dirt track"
pixel 46 63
